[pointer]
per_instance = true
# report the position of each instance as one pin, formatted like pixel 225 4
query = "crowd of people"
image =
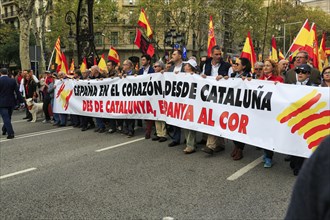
pixel 300 73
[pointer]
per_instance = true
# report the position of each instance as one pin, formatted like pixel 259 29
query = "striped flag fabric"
pixel 248 51
pixel 211 42
pixel 144 23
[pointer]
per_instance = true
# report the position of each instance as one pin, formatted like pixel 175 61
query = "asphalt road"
pixel 66 177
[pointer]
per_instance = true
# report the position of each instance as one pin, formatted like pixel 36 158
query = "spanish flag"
pixel 280 55
pixel 310 42
pixel 58 60
pixel 301 39
pixel 102 64
pixel 113 55
pixel 315 46
pixel 144 23
pixel 211 42
pixel 72 65
pixel 83 65
pixel 274 50
pixel 323 58
pixel 64 64
pixel 248 51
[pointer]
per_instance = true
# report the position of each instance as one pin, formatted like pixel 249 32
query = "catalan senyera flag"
pixel 301 38
pixel 144 23
pixel 248 51
pixel 64 64
pixel 102 64
pixel 280 55
pixel 113 55
pixel 83 65
pixel 323 60
pixel 58 60
pixel 274 50
pixel 211 42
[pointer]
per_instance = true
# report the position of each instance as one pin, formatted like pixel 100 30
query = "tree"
pixel 24 12
pixel 9 45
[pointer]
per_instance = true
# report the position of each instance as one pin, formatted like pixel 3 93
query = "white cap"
pixel 192 62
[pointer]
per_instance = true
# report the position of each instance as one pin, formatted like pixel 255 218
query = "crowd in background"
pixel 298 72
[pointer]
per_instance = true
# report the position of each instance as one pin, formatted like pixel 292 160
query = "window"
pixel 98 39
pixel 114 38
pixel 131 37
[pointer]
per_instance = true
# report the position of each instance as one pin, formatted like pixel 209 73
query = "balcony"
pixel 10 15
pixel 7 2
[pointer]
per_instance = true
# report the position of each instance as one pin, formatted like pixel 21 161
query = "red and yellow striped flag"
pixel 144 23
pixel 113 55
pixel 274 50
pixel 323 58
pixel 58 60
pixel 301 39
pixel 102 64
pixel 248 51
pixel 211 42
pixel 83 65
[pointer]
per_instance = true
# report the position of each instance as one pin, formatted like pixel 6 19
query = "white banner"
pixel 284 118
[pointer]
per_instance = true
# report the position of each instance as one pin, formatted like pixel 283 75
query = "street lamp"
pixel 287 24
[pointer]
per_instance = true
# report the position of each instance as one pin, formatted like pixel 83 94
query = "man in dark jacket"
pixel 8 87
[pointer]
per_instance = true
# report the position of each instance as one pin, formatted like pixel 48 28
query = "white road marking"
pixel 13 122
pixel 17 173
pixel 118 145
pixel 245 169
pixel 36 134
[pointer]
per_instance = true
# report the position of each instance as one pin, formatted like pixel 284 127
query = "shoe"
pixel 111 131
pixel 4 132
pixel 130 134
pixel 44 121
pixel 155 138
pixel 120 129
pixel 207 150
pixel 173 144
pixel 238 155
pixel 91 126
pixel 26 118
pixel 189 150
pixel 268 163
pixel 60 125
pixel 219 148
pixel 147 136
pixel 97 129
pixel 162 139
pixel 295 172
pixel 84 129
pixel 30 119
pixel 234 152
pixel 201 141
pixel 287 158
pixel 10 136
pixel 102 130
pixel 76 125
pixel 56 124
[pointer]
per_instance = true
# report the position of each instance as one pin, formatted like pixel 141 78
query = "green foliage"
pixel 9 45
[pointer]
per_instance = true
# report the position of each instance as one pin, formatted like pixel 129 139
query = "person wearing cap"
pixel 159 66
pixel 325 77
pixel 302 58
pixel 303 73
pixel 216 67
pixel 190 67
pixel 8 89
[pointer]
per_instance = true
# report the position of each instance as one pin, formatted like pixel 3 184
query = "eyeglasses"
pixel 156 66
pixel 298 57
pixel 326 72
pixel 301 71
pixel 258 68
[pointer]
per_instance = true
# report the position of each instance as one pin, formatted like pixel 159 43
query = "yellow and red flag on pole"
pixel 72 65
pixel 315 47
pixel 248 51
pixel 280 55
pixel 310 43
pixel 113 55
pixel 211 42
pixel 323 58
pixel 58 60
pixel 144 23
pixel 274 50
pixel 102 64
pixel 64 64
pixel 301 38
pixel 83 65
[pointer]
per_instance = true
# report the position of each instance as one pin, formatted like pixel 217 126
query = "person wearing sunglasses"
pixel 258 66
pixel 300 59
pixel 326 77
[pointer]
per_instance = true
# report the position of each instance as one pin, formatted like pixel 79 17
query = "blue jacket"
pixel 8 87
pixel 151 70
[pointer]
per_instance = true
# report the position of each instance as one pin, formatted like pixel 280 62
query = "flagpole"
pixel 50 61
